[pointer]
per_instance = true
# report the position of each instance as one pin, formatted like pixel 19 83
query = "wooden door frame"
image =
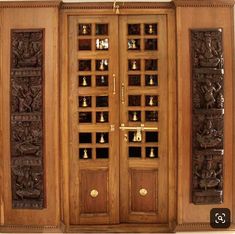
pixel 93 9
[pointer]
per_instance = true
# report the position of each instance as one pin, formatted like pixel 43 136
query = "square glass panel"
pixel 85 138
pixel 134 100
pixel 134 80
pixel 102 44
pixel 151 64
pixel 102 153
pixel 84 81
pixel 151 137
pixel 151 100
pixel 133 137
pixel 101 29
pixel 151 116
pixel 102 80
pixel 150 44
pixel 102 65
pixel 102 137
pixel 133 29
pixel 85 153
pixel 102 117
pixel 134 64
pixel 84 44
pixel 150 29
pixel 85 117
pixel 134 152
pixel 84 29
pixel 134 116
pixel 151 152
pixel 84 101
pixel 84 65
pixel 151 80
pixel 102 101
pixel 133 44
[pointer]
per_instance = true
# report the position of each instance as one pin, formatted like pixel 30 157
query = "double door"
pixel 118 120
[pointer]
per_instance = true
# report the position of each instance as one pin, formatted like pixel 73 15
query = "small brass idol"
pixel 152 155
pixel 84 82
pixel 102 117
pixel 151 80
pixel 102 141
pixel 133 43
pixel 150 29
pixel 133 66
pixel 84 103
pixel 85 155
pixel 134 137
pixel 84 29
pixel 135 118
pixel 102 80
pixel 101 68
pixel 151 101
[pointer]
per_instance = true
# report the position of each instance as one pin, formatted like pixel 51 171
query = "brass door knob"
pixel 143 192
pixel 94 193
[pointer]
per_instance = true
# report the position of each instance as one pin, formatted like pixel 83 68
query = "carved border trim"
pixel 193 227
pixel 204 3
pixel 31 4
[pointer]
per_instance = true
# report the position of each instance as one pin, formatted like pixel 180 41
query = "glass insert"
pixel 134 137
pixel 102 153
pixel 151 64
pixel 151 152
pixel 102 65
pixel 133 29
pixel 151 137
pixel 85 138
pixel 150 44
pixel 85 117
pixel 151 116
pixel 101 29
pixel 102 80
pixel 102 101
pixel 84 44
pixel 84 29
pixel 151 100
pixel 102 44
pixel 133 44
pixel 84 65
pixel 102 137
pixel 84 101
pixel 85 153
pixel 134 152
pixel 102 117
pixel 134 80
pixel 151 80
pixel 134 64
pixel 150 29
pixel 84 81
pixel 134 116
pixel 134 100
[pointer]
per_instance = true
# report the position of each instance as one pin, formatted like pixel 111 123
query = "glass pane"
pixel 151 64
pixel 102 117
pixel 134 100
pixel 101 29
pixel 151 100
pixel 85 153
pixel 134 65
pixel 102 153
pixel 102 80
pixel 84 65
pixel 102 101
pixel 150 44
pixel 133 29
pixel 151 80
pixel 84 29
pixel 150 29
pixel 151 116
pixel 134 116
pixel 151 152
pixel 84 44
pixel 102 65
pixel 134 137
pixel 85 117
pixel 134 152
pixel 84 81
pixel 102 44
pixel 134 80
pixel 85 138
pixel 133 44
pixel 102 137
pixel 84 101
pixel 151 137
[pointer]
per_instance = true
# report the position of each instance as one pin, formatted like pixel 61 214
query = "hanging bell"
pixel 84 103
pixel 150 29
pixel 102 141
pixel 101 68
pixel 85 155
pixel 151 101
pixel 133 66
pixel 102 80
pixel 152 155
pixel 133 44
pixel 134 137
pixel 84 29
pixel 151 80
pixel 102 117
pixel 135 118
pixel 84 82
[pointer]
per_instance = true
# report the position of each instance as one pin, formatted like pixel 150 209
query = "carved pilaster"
pixel 27 68
pixel 207 116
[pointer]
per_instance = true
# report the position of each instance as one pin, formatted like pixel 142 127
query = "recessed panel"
pixel 133 44
pixel 84 81
pixel 151 116
pixel 84 44
pixel 85 117
pixel 84 65
pixel 134 152
pixel 134 80
pixel 102 117
pixel 85 138
pixel 134 116
pixel 134 100
pixel 150 44
pixel 133 29
pixel 151 80
pixel 150 29
pixel 85 153
pixel 84 29
pixel 102 44
pixel 102 101
pixel 151 152
pixel 151 65
pixel 101 29
pixel 134 65
pixel 84 101
pixel 102 65
pixel 102 153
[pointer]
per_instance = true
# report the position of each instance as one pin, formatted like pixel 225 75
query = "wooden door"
pixel 143 119
pixel 93 120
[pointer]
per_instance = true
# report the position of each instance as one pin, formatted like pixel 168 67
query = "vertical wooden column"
pixel 216 18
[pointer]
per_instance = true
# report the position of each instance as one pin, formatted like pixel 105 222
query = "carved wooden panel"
pixel 207 116
pixel 26 95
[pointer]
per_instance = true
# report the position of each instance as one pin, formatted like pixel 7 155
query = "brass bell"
pixel 150 29
pixel 151 101
pixel 84 29
pixel 133 66
pixel 102 141
pixel 102 117
pixel 134 137
pixel 133 44
pixel 85 155
pixel 84 103
pixel 135 118
pixel 101 68
pixel 84 82
pixel 152 155
pixel 151 80
pixel 102 79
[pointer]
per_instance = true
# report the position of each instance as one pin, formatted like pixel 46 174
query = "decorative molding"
pixel 204 3
pixel 193 227
pixel 207 116
pixel 26 94
pixel 30 4
pixel 30 229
